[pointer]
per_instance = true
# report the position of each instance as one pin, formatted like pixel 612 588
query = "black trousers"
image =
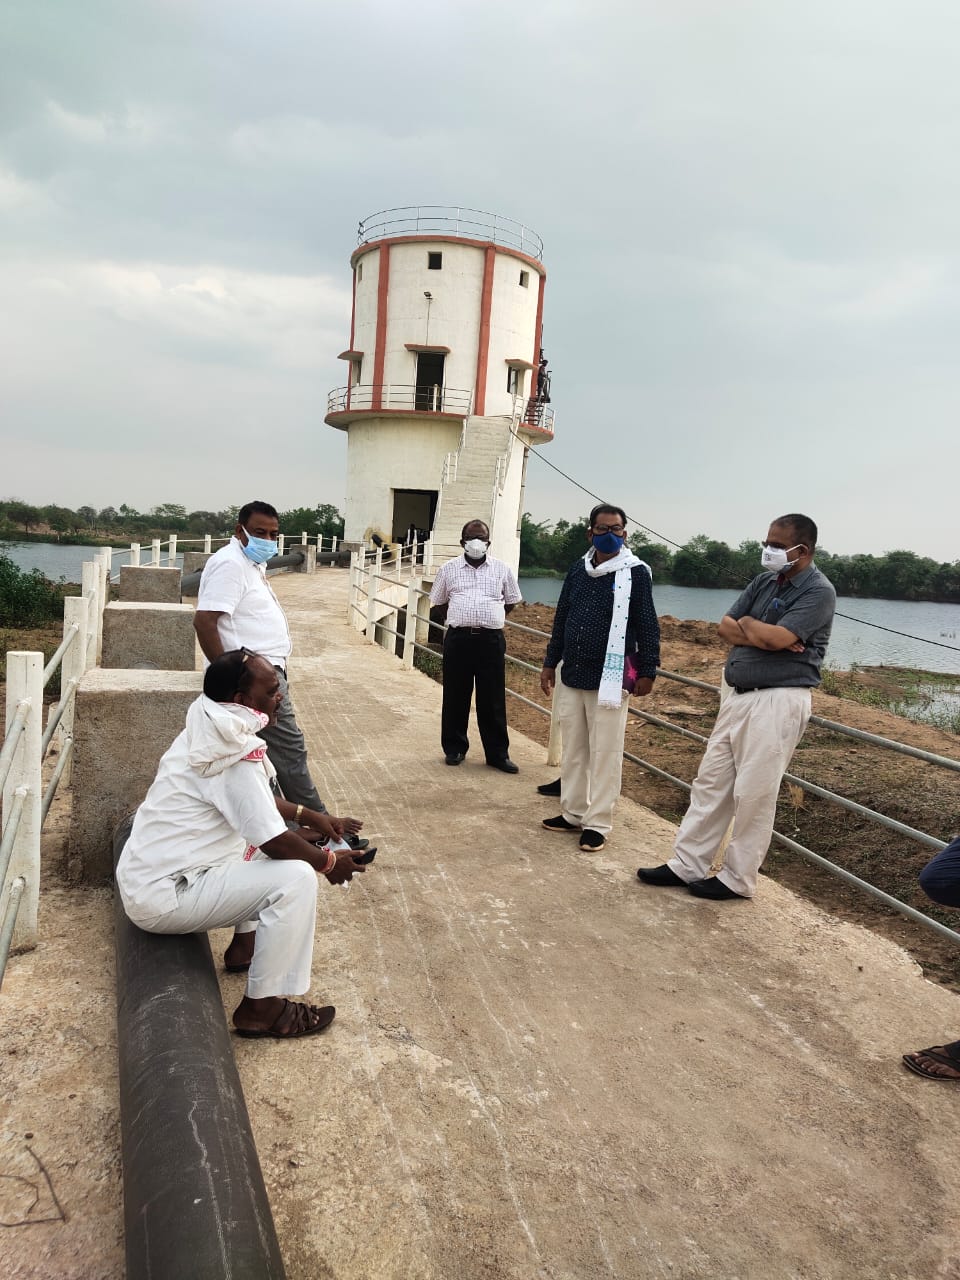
pixel 474 658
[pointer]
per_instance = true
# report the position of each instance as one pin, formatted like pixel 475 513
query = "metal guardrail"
pixel 450 220
pixel 27 744
pixel 872 815
pixel 402 396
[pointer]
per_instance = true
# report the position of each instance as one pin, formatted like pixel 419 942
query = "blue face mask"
pixel 259 550
pixel 607 543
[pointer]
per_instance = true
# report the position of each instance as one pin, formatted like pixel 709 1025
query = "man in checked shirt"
pixel 476 592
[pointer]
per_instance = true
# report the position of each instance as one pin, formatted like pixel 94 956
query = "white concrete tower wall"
pixel 445 331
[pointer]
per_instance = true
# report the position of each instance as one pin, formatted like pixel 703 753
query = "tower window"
pixel 355 368
pixel 434 261
pixel 524 279
pixel 359 272
pixel 513 382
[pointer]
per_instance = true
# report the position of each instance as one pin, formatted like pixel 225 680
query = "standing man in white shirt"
pixel 477 593
pixel 236 608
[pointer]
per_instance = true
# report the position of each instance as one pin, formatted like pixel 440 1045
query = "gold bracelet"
pixel 298 814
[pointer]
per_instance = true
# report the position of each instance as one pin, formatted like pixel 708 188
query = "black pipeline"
pixel 194 1202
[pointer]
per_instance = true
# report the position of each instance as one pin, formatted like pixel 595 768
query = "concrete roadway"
pixel 541 1068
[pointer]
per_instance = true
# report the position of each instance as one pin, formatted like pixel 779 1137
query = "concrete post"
pixel 90 587
pixel 309 564
pixel 423 615
pixel 410 626
pixel 281 540
pixel 155 553
pixel 333 542
pixel 25 681
pixel 172 554
pixel 352 591
pixel 76 611
pixel 135 553
pixel 303 538
pixel 379 560
pixel 207 545
pixel 103 595
pixel 428 557
pixel 373 590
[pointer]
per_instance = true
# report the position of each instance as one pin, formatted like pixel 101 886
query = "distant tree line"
pixel 61 524
pixel 705 562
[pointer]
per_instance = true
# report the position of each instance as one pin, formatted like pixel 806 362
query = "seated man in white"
pixel 210 848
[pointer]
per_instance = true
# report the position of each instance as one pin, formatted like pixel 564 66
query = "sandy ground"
pixel 539 1068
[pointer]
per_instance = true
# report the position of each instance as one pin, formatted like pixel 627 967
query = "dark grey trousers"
pixel 288 753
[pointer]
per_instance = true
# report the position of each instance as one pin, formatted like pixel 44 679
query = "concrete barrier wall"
pixel 149 635
pixel 124 722
pixel 149 583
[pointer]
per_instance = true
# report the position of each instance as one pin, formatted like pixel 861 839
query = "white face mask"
pixel 776 559
pixel 475 548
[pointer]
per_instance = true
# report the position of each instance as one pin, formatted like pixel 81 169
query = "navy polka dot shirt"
pixel 581 626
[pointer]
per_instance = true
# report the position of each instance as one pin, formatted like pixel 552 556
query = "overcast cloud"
pixel 750 213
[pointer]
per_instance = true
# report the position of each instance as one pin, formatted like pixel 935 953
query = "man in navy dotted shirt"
pixel 605 631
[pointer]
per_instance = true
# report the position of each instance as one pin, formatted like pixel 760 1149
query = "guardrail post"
pixel 103 595
pixel 281 540
pixel 172 552
pixel 76 610
pixel 554 742
pixel 207 545
pixel 303 538
pixel 333 542
pixel 378 562
pixel 410 624
pixel 373 590
pixel 90 576
pixel 428 556
pixel 25 680
pixel 135 554
pixel 155 553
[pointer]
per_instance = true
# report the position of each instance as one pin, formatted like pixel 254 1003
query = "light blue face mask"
pixel 259 550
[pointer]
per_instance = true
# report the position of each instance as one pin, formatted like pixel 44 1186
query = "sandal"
pixel 950 1057
pixel 295 1019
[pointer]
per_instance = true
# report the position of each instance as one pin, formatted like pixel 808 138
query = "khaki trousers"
pixel 592 763
pixel 739 777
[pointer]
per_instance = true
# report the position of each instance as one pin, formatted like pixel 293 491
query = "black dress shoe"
pixel 454 757
pixel 713 888
pixel 661 875
pixel 505 765
pixel 356 842
pixel 550 788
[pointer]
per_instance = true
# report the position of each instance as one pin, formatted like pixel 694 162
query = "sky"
pixel 750 213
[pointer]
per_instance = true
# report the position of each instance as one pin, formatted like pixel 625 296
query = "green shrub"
pixel 27 599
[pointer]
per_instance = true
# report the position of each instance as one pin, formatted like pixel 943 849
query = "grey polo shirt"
pixel 804 605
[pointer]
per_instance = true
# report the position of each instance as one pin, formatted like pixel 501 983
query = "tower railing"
pixel 367 396
pixel 450 220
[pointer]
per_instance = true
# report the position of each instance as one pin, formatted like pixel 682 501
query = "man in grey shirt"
pixel 779 628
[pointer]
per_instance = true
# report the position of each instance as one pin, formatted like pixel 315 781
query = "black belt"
pixel 759 688
pixel 476 631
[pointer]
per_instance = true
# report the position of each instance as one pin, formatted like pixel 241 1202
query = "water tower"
pixel 447 387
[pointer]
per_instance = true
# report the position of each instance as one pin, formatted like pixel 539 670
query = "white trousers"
pixel 592 763
pixel 277 898
pixel 739 778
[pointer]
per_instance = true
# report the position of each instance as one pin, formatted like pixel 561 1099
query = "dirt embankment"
pixel 920 795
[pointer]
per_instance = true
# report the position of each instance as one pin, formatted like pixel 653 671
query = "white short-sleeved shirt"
pixel 475 595
pixel 253 619
pixel 188 823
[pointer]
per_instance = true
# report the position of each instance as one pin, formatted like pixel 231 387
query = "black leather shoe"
pixel 713 888
pixel 454 757
pixel 661 875
pixel 550 788
pixel 505 765
pixel 356 842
